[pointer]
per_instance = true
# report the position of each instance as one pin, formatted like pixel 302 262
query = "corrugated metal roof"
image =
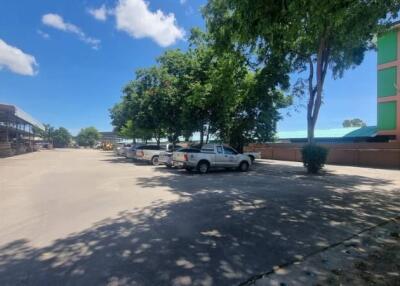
pixel 350 132
pixel 18 112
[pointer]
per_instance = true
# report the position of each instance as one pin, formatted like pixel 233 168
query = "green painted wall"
pixel 387 47
pixel 387 115
pixel 387 82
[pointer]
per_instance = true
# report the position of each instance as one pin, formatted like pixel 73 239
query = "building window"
pixel 387 47
pixel 387 115
pixel 387 82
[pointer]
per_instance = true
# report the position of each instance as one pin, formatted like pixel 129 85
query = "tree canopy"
pixel 61 138
pixel 200 91
pixel 356 122
pixel 88 137
pixel 300 36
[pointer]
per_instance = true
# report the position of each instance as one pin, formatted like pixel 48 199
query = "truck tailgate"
pixel 179 156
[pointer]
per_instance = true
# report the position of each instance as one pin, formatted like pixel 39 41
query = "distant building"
pixel 337 135
pixel 388 79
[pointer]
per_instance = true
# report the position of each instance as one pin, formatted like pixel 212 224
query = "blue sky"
pixel 65 62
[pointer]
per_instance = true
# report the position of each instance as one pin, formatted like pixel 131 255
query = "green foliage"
pixel 61 138
pixel 314 157
pixel 88 137
pixel 297 36
pixel 47 134
pixel 356 122
pixel 201 90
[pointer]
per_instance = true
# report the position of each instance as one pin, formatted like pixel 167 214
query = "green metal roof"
pixel 350 132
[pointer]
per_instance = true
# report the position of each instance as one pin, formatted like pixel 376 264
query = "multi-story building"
pixel 389 83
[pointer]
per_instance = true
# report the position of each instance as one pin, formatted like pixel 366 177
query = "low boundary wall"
pixel 380 155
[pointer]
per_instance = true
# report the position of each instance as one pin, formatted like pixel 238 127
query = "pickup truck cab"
pixel 212 156
pixel 149 153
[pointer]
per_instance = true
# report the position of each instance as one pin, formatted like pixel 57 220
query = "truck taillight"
pixel 185 156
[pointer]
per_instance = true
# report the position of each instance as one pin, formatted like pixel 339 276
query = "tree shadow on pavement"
pixel 112 158
pixel 225 228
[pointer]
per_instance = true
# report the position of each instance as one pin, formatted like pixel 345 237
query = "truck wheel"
pixel 203 167
pixel 155 161
pixel 244 166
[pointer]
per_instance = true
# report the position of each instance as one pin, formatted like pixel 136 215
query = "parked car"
pixel 131 151
pixel 212 156
pixel 118 149
pixel 122 151
pixel 165 157
pixel 149 153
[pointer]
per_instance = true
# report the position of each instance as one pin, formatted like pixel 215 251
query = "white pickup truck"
pixel 149 153
pixel 212 156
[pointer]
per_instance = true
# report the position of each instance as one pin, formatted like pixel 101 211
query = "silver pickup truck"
pixel 149 153
pixel 212 156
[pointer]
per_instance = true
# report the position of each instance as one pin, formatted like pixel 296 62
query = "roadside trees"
pixel 61 138
pixel 88 137
pixel 205 90
pixel 356 122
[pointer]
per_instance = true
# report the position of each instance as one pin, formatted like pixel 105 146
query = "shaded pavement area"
pixel 219 229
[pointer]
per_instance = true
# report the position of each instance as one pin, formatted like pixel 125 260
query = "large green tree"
pixel 88 137
pixel 61 138
pixel 301 36
pixel 176 67
pixel 148 94
pixel 202 90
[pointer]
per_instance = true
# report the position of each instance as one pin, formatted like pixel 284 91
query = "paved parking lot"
pixel 85 217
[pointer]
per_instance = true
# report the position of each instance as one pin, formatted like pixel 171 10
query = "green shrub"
pixel 314 157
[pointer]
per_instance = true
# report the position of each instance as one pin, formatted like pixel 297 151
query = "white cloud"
pixel 57 22
pixel 16 60
pixel 99 13
pixel 135 18
pixel 182 1
pixel 43 34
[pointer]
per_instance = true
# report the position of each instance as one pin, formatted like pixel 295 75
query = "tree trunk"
pixel 310 132
pixel 315 90
pixel 208 133
pixel 201 136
